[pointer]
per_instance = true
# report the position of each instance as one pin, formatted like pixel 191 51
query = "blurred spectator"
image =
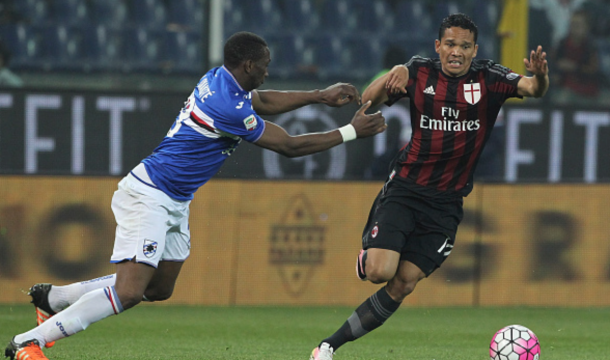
pixel 599 11
pixel 540 29
pixel 558 13
pixel 576 61
pixel 7 77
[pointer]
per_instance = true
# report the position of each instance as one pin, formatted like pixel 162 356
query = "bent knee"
pixel 379 275
pixel 158 294
pixel 399 289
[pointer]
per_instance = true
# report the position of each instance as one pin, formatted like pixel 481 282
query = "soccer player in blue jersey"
pixel 151 205
pixel 454 102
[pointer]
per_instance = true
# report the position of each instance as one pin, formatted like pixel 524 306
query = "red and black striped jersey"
pixel 451 118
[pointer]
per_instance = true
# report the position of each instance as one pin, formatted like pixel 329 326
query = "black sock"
pixel 370 315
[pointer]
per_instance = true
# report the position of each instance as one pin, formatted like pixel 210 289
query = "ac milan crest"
pixel 374 232
pixel 472 93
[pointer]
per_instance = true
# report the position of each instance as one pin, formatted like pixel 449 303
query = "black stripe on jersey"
pixel 448 136
pixel 424 151
pixel 202 123
pixel 472 112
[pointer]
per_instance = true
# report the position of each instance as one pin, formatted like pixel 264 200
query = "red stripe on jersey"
pixel 200 121
pixel 459 141
pixel 436 143
pixel 501 87
pixel 480 138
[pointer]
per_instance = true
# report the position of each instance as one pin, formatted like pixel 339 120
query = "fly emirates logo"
pixel 448 123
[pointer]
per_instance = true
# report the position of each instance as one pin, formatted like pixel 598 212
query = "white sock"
pixel 90 308
pixel 60 297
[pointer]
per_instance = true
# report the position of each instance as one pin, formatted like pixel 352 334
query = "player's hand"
pixel 368 124
pixel 340 94
pixel 537 63
pixel 397 80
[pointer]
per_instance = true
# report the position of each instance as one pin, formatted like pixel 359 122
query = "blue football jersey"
pixel 216 117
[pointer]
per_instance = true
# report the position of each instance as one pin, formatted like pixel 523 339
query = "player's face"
pixel 259 72
pixel 456 50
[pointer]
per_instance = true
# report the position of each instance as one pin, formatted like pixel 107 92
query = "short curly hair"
pixel 243 46
pixel 458 20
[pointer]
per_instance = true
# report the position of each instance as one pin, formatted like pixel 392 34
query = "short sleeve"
pixel 245 124
pixel 413 67
pixel 233 116
pixel 503 81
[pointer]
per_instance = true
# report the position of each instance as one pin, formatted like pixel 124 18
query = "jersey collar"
pixel 230 75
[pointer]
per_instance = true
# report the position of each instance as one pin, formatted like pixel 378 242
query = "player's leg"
pixel 378 265
pixel 131 281
pixel 138 248
pixel 55 298
pixel 403 284
pixel 177 250
pixel 161 286
pixel 389 223
pixel 50 299
pixel 371 314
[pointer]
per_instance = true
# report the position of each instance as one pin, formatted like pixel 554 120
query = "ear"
pixel 248 65
pixel 476 49
pixel 437 46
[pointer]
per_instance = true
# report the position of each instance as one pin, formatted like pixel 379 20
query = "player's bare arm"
pixel 537 84
pixel 275 138
pixel 393 82
pixel 272 102
pixel 398 78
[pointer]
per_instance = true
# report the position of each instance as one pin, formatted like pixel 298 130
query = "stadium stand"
pixel 300 15
pixel 35 11
pixel 320 39
pixel 70 12
pixel 186 13
pixel 183 50
pixel 112 13
pixel 339 17
pixel 148 14
pixel 376 17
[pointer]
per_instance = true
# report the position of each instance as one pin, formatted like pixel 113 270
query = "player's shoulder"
pixel 419 61
pixel 490 66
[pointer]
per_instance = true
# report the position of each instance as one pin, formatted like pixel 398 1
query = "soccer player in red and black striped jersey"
pixel 454 102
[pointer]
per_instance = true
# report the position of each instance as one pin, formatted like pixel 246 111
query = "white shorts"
pixel 151 226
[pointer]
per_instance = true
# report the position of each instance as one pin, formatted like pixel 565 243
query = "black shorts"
pixel 421 229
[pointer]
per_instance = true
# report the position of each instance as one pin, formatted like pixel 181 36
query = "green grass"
pixel 256 333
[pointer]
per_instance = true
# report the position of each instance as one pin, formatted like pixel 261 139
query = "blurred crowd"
pixel 578 34
pixel 310 40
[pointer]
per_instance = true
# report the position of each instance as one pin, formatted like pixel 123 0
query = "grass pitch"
pixel 153 331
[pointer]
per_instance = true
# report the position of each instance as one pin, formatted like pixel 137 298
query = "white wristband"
pixel 348 132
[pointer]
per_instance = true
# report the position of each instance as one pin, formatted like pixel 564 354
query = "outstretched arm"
pixel 393 82
pixel 537 84
pixel 275 138
pixel 272 102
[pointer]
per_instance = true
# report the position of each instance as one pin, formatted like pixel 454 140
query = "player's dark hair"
pixel 458 20
pixel 243 46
